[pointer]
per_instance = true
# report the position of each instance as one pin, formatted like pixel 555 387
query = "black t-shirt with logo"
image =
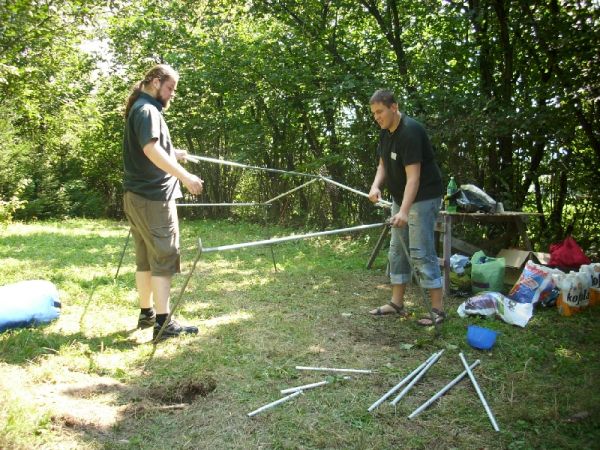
pixel 409 144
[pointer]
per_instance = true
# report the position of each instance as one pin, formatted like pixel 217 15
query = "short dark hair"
pixel 384 96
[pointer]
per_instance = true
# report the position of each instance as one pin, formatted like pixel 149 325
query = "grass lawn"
pixel 91 380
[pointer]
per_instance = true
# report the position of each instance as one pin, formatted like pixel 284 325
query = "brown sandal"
pixel 400 310
pixel 438 317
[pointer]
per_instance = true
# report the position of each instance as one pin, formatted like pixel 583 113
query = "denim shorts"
pixel 418 237
pixel 155 231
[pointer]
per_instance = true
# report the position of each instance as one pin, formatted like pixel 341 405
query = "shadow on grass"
pixel 23 345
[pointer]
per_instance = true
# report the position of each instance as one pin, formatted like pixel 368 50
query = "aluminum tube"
pixel 383 203
pixel 329 369
pixel 290 191
pixel 405 380
pixel 275 403
pixel 424 296
pixel 329 180
pixel 290 238
pixel 175 304
pixel 417 377
pixel 196 159
pixel 445 389
pixel 221 204
pixel 307 386
pixel 478 389
pixel 123 254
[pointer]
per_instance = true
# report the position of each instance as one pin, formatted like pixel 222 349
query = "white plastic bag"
pixel 514 312
pixel 494 303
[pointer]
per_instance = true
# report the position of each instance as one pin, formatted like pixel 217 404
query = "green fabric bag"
pixel 487 273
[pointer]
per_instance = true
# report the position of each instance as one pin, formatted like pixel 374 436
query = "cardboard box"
pixel 516 259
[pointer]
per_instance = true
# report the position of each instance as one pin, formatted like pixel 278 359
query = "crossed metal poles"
pixel 380 203
pixel 272 241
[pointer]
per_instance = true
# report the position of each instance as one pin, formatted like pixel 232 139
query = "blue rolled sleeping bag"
pixel 28 303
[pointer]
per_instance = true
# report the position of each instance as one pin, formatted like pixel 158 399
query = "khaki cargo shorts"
pixel 155 230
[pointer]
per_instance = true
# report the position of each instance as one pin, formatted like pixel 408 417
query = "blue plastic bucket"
pixel 481 338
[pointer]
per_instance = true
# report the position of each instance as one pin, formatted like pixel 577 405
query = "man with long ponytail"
pixel 151 185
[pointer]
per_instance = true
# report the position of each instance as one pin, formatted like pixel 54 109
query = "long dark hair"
pixel 163 72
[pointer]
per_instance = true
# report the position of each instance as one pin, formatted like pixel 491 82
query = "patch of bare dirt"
pixel 184 391
pixel 80 403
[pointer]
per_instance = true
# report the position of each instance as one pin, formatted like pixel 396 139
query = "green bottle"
pixel 450 191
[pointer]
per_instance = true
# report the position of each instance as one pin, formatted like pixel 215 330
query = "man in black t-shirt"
pixel 151 186
pixel 407 166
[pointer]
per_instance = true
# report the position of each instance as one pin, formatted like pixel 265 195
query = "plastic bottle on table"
pixel 450 191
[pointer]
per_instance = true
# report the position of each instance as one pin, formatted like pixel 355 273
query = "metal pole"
pixel 417 377
pixel 375 252
pixel 290 238
pixel 308 386
pixel 329 369
pixel 445 389
pixel 222 204
pixel 273 258
pixel 405 380
pixel 196 159
pixel 424 294
pixel 123 254
pixel 275 403
pixel 382 203
pixel 290 191
pixel 176 303
pixel 478 389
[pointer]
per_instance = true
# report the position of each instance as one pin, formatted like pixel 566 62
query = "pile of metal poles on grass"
pixel 413 377
pixel 408 381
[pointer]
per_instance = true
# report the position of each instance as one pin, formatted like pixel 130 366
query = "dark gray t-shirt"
pixel 145 123
pixel 409 144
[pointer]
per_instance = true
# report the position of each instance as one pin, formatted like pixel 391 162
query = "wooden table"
pixel 514 218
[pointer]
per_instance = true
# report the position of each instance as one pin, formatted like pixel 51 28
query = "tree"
pixel 44 87
pixel 507 90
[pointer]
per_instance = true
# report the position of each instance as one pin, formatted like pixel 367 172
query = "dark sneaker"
pixel 146 320
pixel 173 330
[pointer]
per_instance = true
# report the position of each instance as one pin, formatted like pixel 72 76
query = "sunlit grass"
pixel 566 353
pixel 226 319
